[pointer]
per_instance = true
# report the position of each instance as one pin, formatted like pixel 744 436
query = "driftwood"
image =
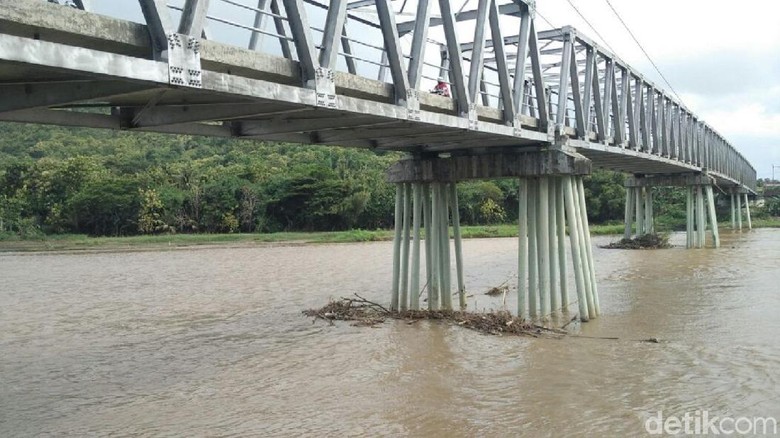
pixel 645 241
pixel 363 312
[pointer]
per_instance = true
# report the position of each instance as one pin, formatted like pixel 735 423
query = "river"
pixel 211 342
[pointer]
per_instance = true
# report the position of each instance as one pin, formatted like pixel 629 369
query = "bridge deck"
pixel 65 66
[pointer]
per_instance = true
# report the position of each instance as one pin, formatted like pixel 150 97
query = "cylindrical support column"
pixel 561 226
pixel 572 218
pixel 533 255
pixel 435 286
pixel 399 204
pixel 629 214
pixel 700 225
pixel 594 291
pixel 522 250
pixel 414 297
pixel 733 212
pixel 458 245
pixel 739 211
pixel 552 228
pixel 444 246
pixel 640 211
pixel 648 210
pixel 747 213
pixel 713 218
pixel 426 195
pixel 689 239
pixel 543 244
pixel 404 298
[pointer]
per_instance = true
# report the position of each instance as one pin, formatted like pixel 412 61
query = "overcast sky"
pixel 722 58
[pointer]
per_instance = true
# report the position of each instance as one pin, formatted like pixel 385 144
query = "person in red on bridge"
pixel 441 88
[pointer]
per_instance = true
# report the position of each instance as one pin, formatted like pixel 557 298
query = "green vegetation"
pixel 174 189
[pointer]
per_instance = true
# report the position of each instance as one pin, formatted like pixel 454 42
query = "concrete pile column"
pixel 431 203
pixel 547 205
pixel 639 209
pixel 551 197
pixel 700 202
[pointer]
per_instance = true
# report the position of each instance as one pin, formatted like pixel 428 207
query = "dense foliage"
pixel 68 180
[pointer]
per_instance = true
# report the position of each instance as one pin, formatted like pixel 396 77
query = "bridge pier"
pixel 551 196
pixel 699 200
pixel 740 195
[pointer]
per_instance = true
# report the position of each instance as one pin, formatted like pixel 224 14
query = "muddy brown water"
pixel 211 342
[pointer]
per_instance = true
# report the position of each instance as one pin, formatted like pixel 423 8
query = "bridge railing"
pixel 616 105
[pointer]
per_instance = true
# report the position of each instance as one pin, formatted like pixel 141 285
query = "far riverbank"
pixel 79 242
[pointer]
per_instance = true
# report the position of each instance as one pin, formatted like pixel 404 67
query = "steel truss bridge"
pixel 351 73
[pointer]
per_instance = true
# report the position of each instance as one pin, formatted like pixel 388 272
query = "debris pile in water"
pixel 366 313
pixel 645 241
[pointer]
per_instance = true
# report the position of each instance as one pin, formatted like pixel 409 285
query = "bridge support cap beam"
pixel 487 166
pixel 678 180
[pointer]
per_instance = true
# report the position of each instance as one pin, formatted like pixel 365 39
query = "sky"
pixel 722 58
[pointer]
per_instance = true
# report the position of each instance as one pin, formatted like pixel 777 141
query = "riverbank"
pixel 76 242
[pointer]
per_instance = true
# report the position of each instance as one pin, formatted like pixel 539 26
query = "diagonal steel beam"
pixel 540 89
pixel 334 28
pixel 193 17
pixel 395 55
pixel 256 37
pixel 478 52
pixel 419 41
pixel 504 82
pixel 302 38
pixel 455 57
pixel 280 30
pixel 159 23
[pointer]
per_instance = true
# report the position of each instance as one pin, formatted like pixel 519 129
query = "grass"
pixel 71 242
